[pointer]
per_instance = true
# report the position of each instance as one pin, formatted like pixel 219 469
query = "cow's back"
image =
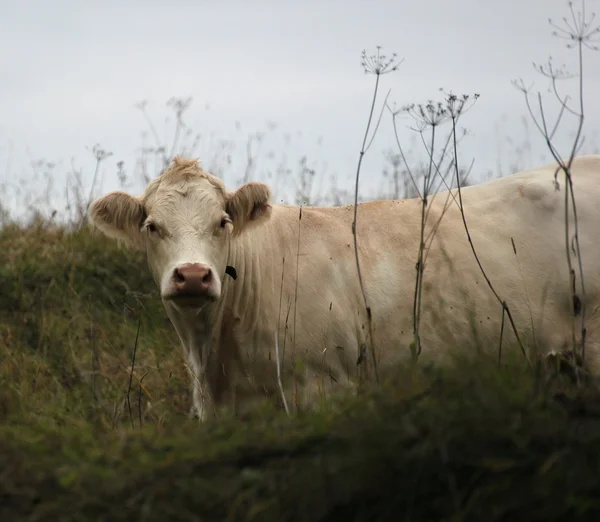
pixel 517 226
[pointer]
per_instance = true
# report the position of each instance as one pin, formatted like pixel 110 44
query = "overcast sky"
pixel 72 72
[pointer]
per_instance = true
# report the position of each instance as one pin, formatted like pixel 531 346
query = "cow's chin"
pixel 191 301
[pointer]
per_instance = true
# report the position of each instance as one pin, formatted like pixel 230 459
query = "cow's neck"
pixel 251 301
pixel 241 304
pixel 192 326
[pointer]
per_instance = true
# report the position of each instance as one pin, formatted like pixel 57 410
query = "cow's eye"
pixel 151 227
pixel 224 221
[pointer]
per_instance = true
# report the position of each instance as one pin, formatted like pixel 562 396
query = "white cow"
pixel 243 280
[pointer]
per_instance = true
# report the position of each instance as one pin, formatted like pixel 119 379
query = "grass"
pixel 464 443
pixel 69 311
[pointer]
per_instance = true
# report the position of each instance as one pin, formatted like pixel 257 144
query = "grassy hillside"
pixel 70 308
pixel 80 440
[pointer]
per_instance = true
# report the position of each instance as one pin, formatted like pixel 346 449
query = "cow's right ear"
pixel 118 215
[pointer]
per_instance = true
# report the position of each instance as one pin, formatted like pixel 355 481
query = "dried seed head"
pixel 578 31
pixel 379 63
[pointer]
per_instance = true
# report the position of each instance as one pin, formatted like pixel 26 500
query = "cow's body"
pixel 298 277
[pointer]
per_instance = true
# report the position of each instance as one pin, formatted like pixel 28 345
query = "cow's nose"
pixel 192 279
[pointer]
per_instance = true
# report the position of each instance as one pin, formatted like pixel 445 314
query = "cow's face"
pixel 184 221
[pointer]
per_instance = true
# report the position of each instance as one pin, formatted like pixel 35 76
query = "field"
pixel 83 437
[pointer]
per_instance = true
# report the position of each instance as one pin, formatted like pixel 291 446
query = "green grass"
pixel 69 312
pixel 470 442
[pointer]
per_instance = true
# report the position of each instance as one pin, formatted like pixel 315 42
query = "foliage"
pixel 70 307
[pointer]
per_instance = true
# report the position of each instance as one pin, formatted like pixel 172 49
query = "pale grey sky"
pixel 73 70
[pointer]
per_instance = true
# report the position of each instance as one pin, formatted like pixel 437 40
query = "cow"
pixel 266 298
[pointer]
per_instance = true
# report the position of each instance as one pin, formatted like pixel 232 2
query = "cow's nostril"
pixel 207 277
pixel 178 276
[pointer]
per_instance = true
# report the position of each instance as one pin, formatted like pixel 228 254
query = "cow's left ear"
pixel 249 204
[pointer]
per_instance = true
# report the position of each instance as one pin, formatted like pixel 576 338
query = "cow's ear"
pixel 118 215
pixel 249 204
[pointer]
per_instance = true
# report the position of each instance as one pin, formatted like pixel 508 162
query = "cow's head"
pixel 184 221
